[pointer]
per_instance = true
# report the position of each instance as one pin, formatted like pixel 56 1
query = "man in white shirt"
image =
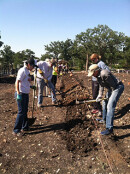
pixel 44 75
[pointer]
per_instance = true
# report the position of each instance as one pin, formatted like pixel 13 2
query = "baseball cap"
pixel 31 61
pixel 91 69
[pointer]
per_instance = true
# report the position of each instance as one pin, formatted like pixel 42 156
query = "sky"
pixel 31 24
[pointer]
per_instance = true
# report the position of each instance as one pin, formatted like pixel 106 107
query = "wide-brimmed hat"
pixel 91 69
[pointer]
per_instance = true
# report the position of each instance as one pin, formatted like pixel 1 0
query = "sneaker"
pixel 49 96
pixel 100 121
pixel 39 105
pixel 21 133
pixel 95 111
pixel 107 131
pixel 99 114
pixel 54 102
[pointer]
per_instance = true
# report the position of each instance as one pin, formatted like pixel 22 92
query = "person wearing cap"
pixel 115 88
pixel 95 58
pixel 22 86
pixel 44 76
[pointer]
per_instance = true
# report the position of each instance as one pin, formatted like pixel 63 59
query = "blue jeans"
pixel 110 104
pixel 41 85
pixel 22 120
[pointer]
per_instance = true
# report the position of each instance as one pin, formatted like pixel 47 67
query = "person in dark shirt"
pixel 96 59
pixel 115 89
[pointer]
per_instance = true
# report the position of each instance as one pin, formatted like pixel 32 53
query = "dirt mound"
pixel 79 130
pixel 72 89
pixel 78 127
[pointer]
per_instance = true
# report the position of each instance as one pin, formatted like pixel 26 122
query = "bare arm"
pixel 17 86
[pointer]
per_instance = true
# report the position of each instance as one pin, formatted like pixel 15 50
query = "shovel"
pixel 88 101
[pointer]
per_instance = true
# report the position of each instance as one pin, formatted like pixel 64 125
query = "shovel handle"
pixel 88 101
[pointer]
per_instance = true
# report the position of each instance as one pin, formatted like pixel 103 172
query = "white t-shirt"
pixel 47 70
pixel 23 76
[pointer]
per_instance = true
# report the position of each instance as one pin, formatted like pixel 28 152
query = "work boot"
pixel 107 131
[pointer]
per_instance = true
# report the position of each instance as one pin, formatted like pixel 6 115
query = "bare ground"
pixel 64 139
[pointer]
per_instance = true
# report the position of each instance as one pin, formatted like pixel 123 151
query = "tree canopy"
pixel 113 46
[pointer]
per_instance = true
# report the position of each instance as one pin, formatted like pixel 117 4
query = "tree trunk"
pixel 87 63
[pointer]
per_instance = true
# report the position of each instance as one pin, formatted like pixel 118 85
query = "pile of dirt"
pixel 72 89
pixel 78 126
pixel 79 130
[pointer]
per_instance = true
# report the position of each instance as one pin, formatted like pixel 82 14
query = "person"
pixel 54 75
pixel 95 58
pixel 60 69
pixel 22 86
pixel 44 75
pixel 115 89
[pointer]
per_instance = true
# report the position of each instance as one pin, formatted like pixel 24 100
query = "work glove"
pixel 19 97
pixel 98 99
pixel 33 87
pixel 40 71
pixel 45 80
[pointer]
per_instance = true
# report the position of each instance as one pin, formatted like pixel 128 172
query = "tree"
pixel 126 51
pixel 22 56
pixel 1 43
pixel 7 57
pixel 104 41
pixel 53 48
pixel 66 49
pixel 28 53
pixel 46 56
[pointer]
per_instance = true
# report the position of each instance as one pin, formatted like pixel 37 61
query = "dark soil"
pixel 64 138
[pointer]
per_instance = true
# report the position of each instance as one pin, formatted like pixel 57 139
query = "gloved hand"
pixel 98 99
pixel 45 80
pixel 40 71
pixel 33 87
pixel 19 97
